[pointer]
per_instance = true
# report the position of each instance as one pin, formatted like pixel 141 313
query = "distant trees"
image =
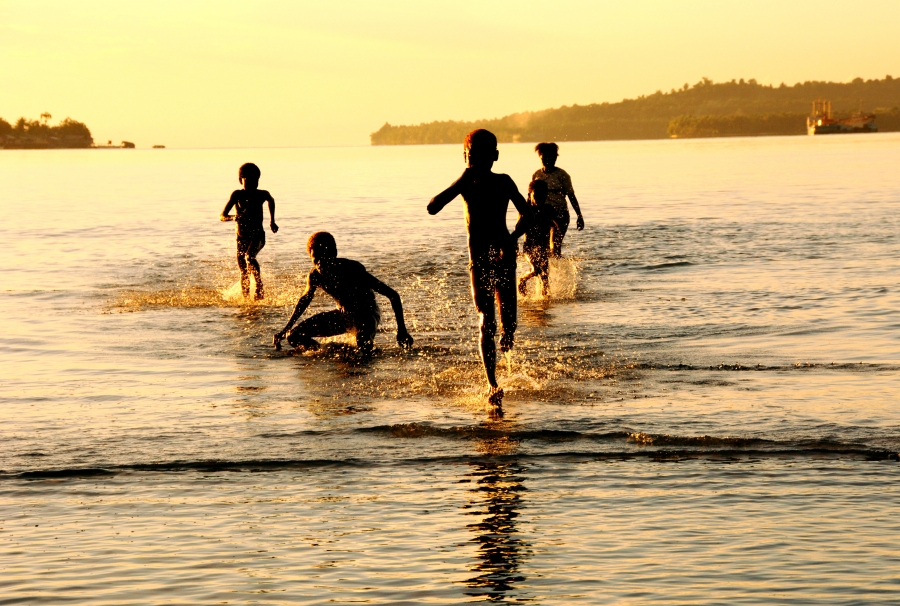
pixel 744 107
pixel 38 134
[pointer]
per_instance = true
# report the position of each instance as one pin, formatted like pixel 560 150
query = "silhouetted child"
pixel 559 184
pixel 536 245
pixel 353 289
pixel 251 236
pixel 492 249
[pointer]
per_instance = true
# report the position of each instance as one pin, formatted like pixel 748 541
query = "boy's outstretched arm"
pixel 445 197
pixel 302 303
pixel 271 202
pixel 404 339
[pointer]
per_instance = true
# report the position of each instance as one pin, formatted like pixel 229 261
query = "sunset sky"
pixel 192 73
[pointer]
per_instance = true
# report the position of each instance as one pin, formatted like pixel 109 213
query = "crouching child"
pixel 353 289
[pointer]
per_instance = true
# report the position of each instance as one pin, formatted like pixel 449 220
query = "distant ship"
pixel 820 121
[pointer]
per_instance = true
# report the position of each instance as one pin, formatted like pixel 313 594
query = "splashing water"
pixel 563 280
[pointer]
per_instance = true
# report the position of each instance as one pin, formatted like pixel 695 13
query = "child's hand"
pixel 404 340
pixel 226 218
pixel 579 224
pixel 276 340
pixel 274 227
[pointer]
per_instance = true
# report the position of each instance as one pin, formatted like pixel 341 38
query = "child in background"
pixel 536 246
pixel 251 235
pixel 559 184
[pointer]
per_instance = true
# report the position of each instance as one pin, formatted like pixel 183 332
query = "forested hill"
pixel 34 134
pixel 776 109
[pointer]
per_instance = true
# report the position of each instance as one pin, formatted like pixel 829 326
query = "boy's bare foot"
pixel 495 398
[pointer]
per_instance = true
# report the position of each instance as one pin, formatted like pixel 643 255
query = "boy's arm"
pixel 225 216
pixel 271 202
pixel 302 303
pixel 579 224
pixel 526 216
pixel 404 339
pixel 445 197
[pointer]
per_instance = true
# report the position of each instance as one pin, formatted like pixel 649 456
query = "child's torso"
pixel 487 200
pixel 248 204
pixel 347 282
pixel 538 234
pixel 559 185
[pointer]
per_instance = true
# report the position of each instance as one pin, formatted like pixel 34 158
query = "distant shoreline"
pixel 707 109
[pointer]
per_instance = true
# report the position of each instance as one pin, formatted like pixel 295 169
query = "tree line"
pixel 38 134
pixel 738 107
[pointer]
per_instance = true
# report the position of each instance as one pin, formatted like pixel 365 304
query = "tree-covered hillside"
pixel 38 134
pixel 775 109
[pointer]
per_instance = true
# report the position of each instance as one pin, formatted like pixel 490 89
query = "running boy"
pixel 560 185
pixel 492 249
pixel 352 288
pixel 251 236
pixel 537 239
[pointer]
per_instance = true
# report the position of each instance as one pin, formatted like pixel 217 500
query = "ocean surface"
pixel 703 412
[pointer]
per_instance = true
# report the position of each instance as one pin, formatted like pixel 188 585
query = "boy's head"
pixel 480 149
pixel 539 191
pixel 548 152
pixel 321 246
pixel 248 175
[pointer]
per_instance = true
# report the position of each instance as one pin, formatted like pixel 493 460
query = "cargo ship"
pixel 820 121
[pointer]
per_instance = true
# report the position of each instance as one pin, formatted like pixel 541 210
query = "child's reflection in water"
pixel 497 496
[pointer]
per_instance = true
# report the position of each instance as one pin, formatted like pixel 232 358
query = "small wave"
pixel 275 465
pixel 425 430
pixel 666 265
pixel 644 439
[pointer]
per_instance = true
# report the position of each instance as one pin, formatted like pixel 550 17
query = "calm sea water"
pixel 705 410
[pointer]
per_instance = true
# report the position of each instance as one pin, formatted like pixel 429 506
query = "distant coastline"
pixel 38 134
pixel 706 109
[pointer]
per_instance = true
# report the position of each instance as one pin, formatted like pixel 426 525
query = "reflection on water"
pixel 497 496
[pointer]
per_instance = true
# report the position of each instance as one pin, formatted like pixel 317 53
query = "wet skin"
pixel 251 235
pixel 492 249
pixel 548 161
pixel 352 288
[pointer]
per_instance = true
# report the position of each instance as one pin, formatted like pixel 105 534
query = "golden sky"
pixel 192 73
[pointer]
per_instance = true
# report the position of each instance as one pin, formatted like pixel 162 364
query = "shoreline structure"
pixel 706 109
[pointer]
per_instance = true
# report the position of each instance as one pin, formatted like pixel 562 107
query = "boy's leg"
pixel 558 232
pixel 245 277
pixel 523 282
pixel 483 296
pixel 325 324
pixel 542 269
pixel 505 290
pixel 252 251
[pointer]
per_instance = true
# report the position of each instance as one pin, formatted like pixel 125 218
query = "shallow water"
pixel 703 411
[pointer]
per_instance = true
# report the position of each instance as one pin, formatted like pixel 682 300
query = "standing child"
pixel 251 235
pixel 492 249
pixel 559 184
pixel 537 239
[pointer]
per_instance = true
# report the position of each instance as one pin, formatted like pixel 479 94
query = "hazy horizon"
pixel 284 75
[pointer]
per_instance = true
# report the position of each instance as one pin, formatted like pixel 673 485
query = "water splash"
pixel 563 280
